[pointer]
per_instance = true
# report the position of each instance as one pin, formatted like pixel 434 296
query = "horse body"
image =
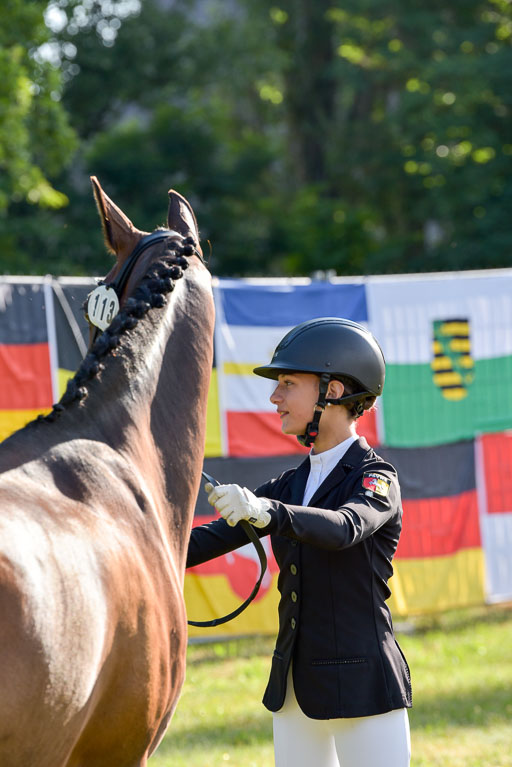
pixel 95 515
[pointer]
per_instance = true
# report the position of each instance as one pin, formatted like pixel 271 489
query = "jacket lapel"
pixel 298 483
pixel 352 457
pixel 336 476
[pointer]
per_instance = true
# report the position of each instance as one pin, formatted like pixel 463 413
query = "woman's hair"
pixel 352 387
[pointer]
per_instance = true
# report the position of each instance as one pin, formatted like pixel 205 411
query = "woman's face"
pixel 294 397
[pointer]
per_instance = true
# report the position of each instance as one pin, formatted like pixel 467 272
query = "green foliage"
pixel 415 129
pixel 35 137
pixel 364 137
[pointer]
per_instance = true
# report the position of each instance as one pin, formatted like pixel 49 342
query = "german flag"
pixel 439 562
pixel 26 386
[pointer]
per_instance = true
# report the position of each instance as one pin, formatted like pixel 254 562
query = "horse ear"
pixel 181 217
pixel 120 235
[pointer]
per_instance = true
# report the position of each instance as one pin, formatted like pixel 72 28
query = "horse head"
pixel 130 245
pixel 122 237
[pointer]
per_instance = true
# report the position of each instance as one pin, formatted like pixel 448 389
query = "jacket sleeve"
pixel 338 528
pixel 213 540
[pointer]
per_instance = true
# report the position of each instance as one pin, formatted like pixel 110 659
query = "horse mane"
pixel 150 293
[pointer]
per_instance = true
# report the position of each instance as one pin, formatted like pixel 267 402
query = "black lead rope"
pixel 253 537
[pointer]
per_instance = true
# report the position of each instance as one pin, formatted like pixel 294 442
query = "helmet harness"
pixel 308 438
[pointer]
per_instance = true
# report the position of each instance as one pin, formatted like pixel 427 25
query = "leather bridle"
pixel 118 284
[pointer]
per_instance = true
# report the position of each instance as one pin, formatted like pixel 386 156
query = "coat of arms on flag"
pixel 452 364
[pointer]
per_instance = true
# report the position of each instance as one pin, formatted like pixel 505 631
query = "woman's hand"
pixel 235 503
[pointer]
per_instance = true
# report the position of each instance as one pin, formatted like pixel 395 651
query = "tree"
pixel 35 137
pixel 402 110
pixel 148 123
pixel 364 137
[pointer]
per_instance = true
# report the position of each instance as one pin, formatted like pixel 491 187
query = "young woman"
pixel 339 685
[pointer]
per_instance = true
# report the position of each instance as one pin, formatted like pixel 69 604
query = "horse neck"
pixel 150 404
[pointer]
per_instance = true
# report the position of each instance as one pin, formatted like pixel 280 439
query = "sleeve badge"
pixel 376 484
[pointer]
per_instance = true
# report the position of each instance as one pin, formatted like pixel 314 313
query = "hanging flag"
pixel 252 317
pixel 448 348
pixel 495 501
pixel 439 562
pixel 25 369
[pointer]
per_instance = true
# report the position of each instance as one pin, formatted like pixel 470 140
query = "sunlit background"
pixel 342 158
pixel 361 137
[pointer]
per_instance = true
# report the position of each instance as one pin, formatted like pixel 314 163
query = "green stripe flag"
pixel 448 347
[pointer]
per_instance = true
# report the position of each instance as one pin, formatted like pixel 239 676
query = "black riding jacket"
pixel 334 558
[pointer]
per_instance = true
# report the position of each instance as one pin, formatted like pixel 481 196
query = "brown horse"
pixel 96 506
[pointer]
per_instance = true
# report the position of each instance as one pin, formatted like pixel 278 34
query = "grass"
pixel 462 678
pixel 461 666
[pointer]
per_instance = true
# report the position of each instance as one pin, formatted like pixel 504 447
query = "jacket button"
pixel 293 623
pixel 294 596
pixel 293 569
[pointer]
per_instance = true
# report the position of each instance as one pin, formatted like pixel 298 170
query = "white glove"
pixel 235 503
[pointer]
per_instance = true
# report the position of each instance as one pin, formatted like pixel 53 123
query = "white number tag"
pixel 102 306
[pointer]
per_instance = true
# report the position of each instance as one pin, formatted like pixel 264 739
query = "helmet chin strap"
pixel 311 433
pixel 308 438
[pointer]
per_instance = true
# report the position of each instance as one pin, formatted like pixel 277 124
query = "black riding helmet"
pixel 330 347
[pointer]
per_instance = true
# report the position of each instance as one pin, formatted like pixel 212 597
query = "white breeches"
pixel 369 741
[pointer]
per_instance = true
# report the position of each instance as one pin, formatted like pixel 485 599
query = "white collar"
pixel 338 451
pixel 321 465
pixel 329 458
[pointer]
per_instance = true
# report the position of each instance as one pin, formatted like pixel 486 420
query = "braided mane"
pixel 151 292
